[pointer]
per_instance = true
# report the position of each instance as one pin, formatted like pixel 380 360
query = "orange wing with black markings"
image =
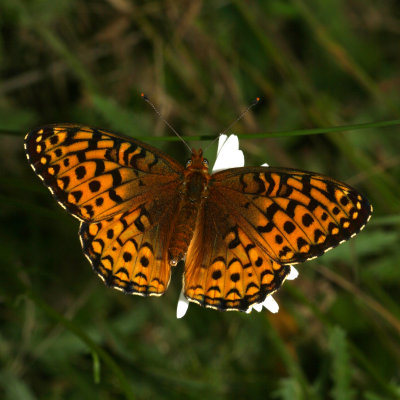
pixel 129 251
pixel 225 268
pixel 257 222
pixel 121 190
pixel 292 215
pixel 96 174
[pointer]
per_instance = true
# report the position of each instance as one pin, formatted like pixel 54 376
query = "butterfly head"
pixel 197 162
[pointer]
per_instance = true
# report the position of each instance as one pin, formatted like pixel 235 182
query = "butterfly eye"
pixel 205 162
pixel 188 163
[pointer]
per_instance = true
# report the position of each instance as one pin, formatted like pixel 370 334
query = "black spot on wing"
pixel 115 197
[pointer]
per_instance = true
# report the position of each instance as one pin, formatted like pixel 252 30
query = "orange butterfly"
pixel 141 212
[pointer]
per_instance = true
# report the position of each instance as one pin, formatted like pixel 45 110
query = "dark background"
pixel 315 64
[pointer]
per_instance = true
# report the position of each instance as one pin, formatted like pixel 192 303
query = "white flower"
pixel 230 156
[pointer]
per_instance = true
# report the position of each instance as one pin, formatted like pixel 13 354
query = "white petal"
pixel 229 155
pixel 293 274
pixel 271 305
pixel 265 165
pixel 258 307
pixel 221 142
pixel 183 305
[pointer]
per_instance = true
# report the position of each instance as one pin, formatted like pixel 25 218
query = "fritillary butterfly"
pixel 141 212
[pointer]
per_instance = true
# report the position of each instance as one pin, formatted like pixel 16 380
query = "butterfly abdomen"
pixel 183 232
pixel 193 191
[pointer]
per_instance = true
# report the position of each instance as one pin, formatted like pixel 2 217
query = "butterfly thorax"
pixel 193 192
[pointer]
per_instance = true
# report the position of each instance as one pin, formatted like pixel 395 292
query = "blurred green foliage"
pixel 315 64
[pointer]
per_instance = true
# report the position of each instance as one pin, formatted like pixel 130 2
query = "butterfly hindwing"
pixel 96 174
pixel 291 215
pixel 225 269
pixel 129 251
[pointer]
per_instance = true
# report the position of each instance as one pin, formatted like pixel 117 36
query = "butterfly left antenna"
pixel 146 99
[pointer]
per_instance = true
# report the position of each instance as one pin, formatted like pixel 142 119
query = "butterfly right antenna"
pixel 146 99
pixel 242 114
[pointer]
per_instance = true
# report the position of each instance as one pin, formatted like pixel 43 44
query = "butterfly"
pixel 238 230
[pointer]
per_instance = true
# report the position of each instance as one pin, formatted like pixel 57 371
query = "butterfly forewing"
pixel 292 215
pixel 96 174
